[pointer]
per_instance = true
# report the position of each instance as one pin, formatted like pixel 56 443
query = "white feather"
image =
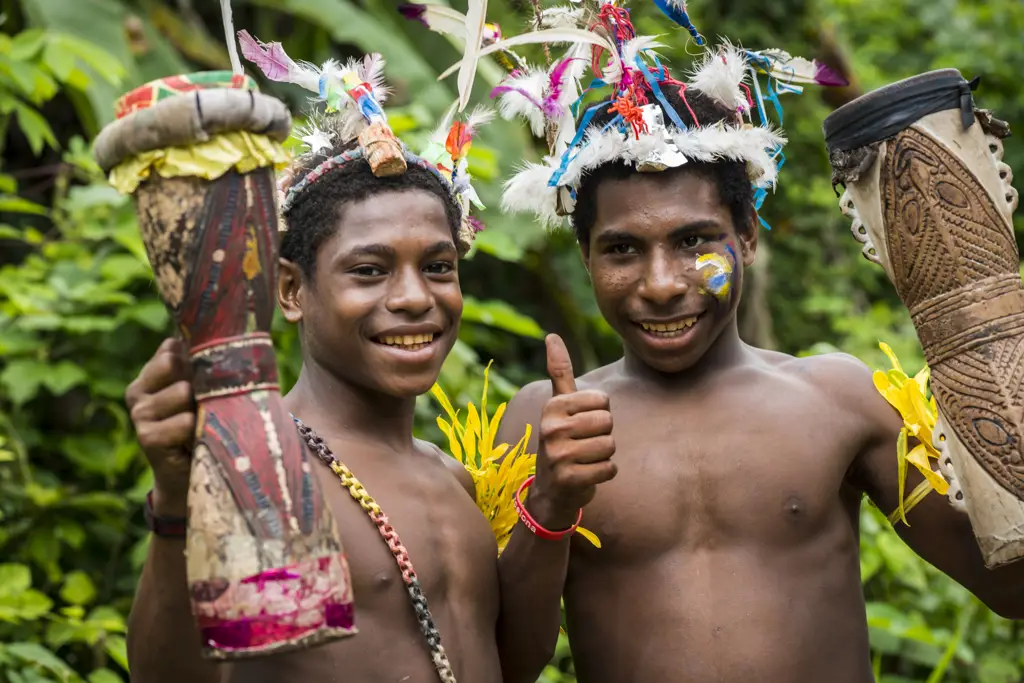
pixel 528 192
pixel 561 35
pixel 720 75
pixel 637 45
pixel 229 37
pixel 514 104
pixel 371 70
pixel 480 117
pixel 561 17
pixel 445 20
pixel 476 17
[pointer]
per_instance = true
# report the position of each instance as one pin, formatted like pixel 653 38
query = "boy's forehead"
pixel 396 218
pixel 647 201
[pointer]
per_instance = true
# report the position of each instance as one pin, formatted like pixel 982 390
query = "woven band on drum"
pixel 977 314
pixel 234 366
pixel 883 113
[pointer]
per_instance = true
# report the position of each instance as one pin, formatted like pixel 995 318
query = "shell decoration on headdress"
pixel 601 38
pixel 353 94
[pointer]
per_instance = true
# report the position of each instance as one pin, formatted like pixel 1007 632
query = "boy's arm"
pixel 574 446
pixel 163 641
pixel 937 532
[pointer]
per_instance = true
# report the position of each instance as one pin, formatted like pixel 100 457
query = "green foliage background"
pixel 79 314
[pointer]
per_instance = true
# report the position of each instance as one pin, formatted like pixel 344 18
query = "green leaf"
pixel 117 648
pixel 35 128
pixel 994 668
pixel 14 578
pixel 13 204
pixel 8 185
pixel 501 315
pixel 22 379
pixel 78 589
pixel 500 245
pixel 102 62
pixel 63 376
pixel 27 44
pixel 150 313
pixel 104 676
pixel 38 655
pixel 59 59
pixel 107 618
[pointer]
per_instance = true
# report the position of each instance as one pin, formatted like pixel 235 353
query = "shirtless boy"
pixel 729 525
pixel 369 274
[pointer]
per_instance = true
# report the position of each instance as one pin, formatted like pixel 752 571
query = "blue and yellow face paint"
pixel 717 273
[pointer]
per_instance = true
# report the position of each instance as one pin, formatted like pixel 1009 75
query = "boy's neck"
pixel 339 410
pixel 727 351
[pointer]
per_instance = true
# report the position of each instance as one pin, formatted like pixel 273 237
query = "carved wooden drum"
pixel 931 201
pixel 266 567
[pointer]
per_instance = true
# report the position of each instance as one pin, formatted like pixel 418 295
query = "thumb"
pixel 559 366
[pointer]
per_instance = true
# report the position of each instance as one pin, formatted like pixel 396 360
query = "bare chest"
pixel 412 522
pixel 692 477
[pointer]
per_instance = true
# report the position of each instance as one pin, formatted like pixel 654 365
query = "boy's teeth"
pixel 669 327
pixel 409 339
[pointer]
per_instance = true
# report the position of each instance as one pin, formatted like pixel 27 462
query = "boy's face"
pixel 383 309
pixel 666 263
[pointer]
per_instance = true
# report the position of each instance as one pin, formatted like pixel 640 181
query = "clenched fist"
pixel 162 407
pixel 576 445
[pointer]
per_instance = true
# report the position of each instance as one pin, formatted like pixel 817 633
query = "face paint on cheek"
pixel 717 273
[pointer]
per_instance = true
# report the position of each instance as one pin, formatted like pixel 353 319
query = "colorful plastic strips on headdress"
pixel 353 94
pixel 601 37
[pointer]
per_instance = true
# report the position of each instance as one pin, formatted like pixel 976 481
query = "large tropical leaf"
pixel 107 23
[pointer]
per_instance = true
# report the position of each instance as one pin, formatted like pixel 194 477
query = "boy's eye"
pixel 440 268
pixel 692 241
pixel 621 249
pixel 367 271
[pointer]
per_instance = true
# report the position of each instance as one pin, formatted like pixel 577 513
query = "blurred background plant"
pixel 79 314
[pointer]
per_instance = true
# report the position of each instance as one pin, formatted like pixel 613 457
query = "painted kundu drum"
pixel 932 201
pixel 266 567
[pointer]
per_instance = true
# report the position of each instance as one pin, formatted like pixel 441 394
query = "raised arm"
pixel 937 532
pixel 163 641
pixel 574 445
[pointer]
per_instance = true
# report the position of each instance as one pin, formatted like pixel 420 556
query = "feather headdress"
pixel 353 94
pixel 599 36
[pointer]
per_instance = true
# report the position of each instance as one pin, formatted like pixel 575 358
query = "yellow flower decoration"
pixel 497 471
pixel 909 395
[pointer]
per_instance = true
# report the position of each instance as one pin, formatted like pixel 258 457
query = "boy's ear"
pixel 748 240
pixel 290 290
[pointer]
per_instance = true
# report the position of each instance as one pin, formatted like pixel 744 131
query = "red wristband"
pixel 530 523
pixel 169 527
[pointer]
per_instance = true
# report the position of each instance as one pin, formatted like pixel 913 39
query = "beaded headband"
pixel 601 36
pixel 353 94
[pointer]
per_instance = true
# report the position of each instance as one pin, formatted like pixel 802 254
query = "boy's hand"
pixel 576 445
pixel 162 407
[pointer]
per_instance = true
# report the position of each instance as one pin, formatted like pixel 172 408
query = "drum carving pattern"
pixel 955 266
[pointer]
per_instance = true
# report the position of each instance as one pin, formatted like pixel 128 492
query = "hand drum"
pixel 932 203
pixel 266 568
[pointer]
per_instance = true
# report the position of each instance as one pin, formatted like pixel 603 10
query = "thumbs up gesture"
pixel 576 445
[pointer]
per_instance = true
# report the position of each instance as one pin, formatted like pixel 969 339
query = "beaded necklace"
pixel 380 520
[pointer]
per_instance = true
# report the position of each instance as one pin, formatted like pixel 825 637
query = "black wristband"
pixel 170 527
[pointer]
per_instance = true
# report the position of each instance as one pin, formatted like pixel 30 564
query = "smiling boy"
pixel 369 273
pixel 730 529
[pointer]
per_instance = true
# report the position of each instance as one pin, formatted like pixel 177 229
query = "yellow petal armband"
pixel 910 396
pixel 497 470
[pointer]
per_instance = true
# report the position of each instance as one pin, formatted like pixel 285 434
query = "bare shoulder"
pixel 454 466
pixel 844 380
